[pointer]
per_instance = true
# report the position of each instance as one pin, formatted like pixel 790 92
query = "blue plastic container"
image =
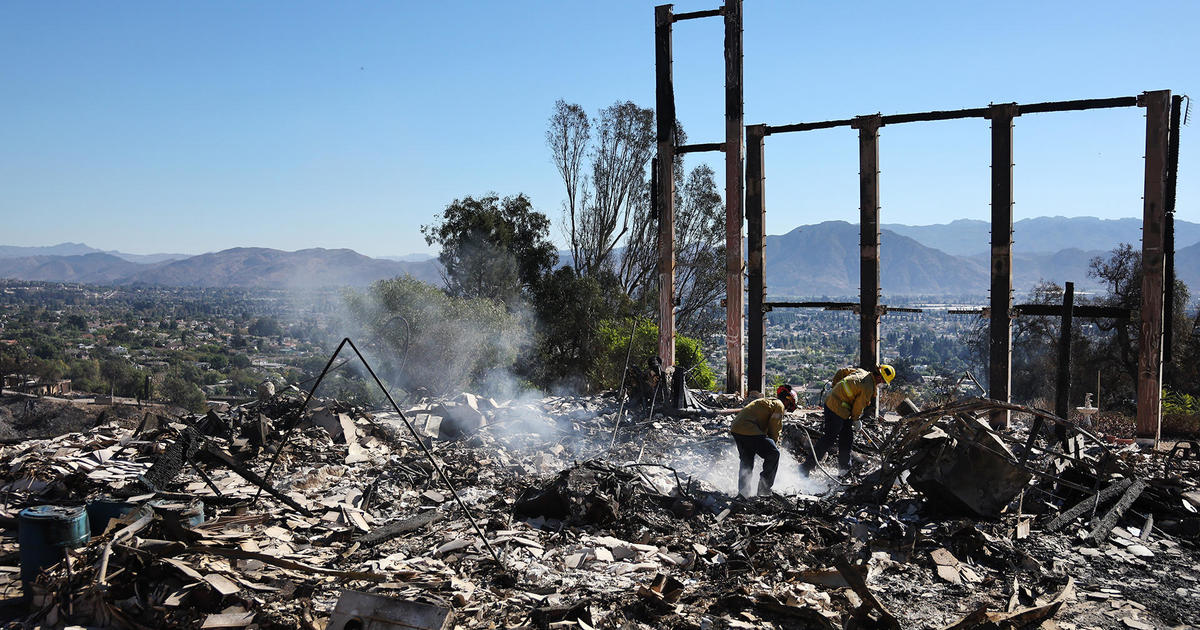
pixel 101 511
pixel 44 533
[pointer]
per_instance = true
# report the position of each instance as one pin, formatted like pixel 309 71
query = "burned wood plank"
pixel 399 527
pixel 241 554
pixel 1075 511
pixel 249 475
pixel 1100 532
pixel 856 582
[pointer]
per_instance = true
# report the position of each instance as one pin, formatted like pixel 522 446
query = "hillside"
pixel 822 259
pixel 1187 267
pixel 1040 235
pixel 262 267
pixel 811 260
pixel 238 267
pixel 93 268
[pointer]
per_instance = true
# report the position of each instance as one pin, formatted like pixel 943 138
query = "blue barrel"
pixel 103 510
pixel 186 513
pixel 44 532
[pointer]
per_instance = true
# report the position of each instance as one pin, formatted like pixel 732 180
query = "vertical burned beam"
pixel 734 282
pixel 1062 399
pixel 1150 354
pixel 1000 344
pixel 755 214
pixel 664 93
pixel 868 212
pixel 1169 232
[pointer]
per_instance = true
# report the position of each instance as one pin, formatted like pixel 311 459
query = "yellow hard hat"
pixel 887 372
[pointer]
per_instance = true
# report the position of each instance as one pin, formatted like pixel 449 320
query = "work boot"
pixel 764 490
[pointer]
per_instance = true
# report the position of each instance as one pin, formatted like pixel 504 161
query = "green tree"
pixel 76 321
pixel 570 309
pixel 436 341
pixel 180 392
pixel 615 342
pixel 490 247
pixel 265 327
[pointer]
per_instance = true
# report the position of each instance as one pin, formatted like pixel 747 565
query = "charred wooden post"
pixel 664 93
pixel 1000 345
pixel 733 197
pixel 1063 385
pixel 1169 231
pixel 868 212
pixel 755 216
pixel 1150 352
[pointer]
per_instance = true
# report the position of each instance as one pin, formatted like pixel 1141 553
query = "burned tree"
pixel 568 136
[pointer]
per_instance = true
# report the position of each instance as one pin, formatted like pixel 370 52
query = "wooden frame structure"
pixel 664 197
pixel 1161 134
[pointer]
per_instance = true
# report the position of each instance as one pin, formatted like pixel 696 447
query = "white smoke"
pixel 720 470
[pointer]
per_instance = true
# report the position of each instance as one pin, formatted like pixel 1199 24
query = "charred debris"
pixel 293 511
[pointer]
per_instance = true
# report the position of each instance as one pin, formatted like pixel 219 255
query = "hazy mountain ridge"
pixel 237 267
pixel 1039 235
pixel 811 260
pixel 80 249
pixel 822 259
pixel 263 267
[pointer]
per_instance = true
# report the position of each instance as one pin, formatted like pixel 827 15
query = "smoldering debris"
pixel 549 521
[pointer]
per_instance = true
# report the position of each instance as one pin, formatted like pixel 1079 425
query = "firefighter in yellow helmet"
pixel 853 390
pixel 756 430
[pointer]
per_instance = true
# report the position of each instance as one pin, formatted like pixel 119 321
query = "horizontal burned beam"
pixel 1055 310
pixel 810 304
pixel 975 112
pixel 884 308
pixel 1079 105
pixel 679 17
pixel 698 148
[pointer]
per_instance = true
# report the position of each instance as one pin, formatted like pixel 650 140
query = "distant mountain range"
pixel 822 259
pixel 1041 235
pixel 238 267
pixel 811 260
pixel 79 249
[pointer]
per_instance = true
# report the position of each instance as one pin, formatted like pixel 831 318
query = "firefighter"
pixel 756 431
pixel 853 390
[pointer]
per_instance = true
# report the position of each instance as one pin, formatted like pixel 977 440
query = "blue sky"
pixel 196 126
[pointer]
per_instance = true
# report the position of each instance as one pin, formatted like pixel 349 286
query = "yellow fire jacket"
pixel 761 417
pixel 851 394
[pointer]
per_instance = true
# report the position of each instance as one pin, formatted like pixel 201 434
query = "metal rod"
pixel 292 421
pixel 428 454
pixel 621 409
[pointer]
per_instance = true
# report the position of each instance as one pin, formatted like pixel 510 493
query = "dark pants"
pixel 748 446
pixel 836 430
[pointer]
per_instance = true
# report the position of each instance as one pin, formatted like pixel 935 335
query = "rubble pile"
pixel 548 513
